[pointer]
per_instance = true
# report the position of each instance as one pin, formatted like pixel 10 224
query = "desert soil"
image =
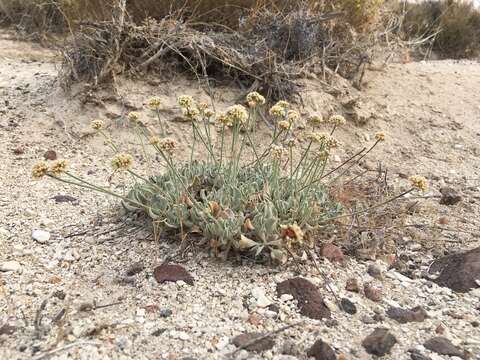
pixel 91 309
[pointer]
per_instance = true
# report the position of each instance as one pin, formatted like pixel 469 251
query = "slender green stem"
pixel 160 122
pixel 222 144
pixel 303 157
pixel 85 184
pixel 209 148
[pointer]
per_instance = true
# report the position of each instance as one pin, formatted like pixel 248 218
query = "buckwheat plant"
pixel 243 197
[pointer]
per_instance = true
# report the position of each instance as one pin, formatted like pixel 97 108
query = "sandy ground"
pixel 431 114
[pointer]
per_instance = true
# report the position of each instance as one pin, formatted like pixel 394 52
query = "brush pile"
pixel 268 50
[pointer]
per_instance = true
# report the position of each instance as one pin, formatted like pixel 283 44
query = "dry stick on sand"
pixel 66 347
pixel 263 337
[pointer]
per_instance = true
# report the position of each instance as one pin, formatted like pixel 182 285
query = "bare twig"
pixel 66 347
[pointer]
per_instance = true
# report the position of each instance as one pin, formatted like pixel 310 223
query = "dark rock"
pixel 165 313
pixel 7 329
pixel 417 355
pixel 352 285
pixel 375 271
pixel 290 347
pixel 18 151
pixel 458 272
pixel 274 307
pixel 309 300
pixel 64 199
pixel 368 319
pixel 443 346
pixel 59 294
pixel 246 341
pixel 475 323
pixel 331 323
pixel 372 292
pixel 50 155
pixel 449 196
pixel 403 316
pixel 159 332
pixel 135 268
pixel 348 306
pixel 173 273
pixel 332 253
pixel 320 350
pixel 379 342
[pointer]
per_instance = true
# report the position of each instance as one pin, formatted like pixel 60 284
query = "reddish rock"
pixel 50 155
pixel 352 285
pixel 173 273
pixel 379 342
pixel 310 302
pixel 403 316
pixel 7 329
pixel 243 341
pixel 443 346
pixel 449 196
pixel 332 252
pixel 372 292
pixel 458 272
pixel 320 350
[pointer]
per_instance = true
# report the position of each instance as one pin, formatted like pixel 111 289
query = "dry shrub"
pixel 57 15
pixel 266 51
pixel 32 15
pixel 360 13
pixel 259 44
pixel 457 24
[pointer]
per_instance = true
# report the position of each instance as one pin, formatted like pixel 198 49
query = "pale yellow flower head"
pixel 380 136
pixel 316 119
pixel 278 152
pixel 122 161
pixel 167 145
pixel 293 116
pixel 224 120
pixel 254 99
pixel 186 101
pixel 154 103
pixel 277 111
pixel 154 140
pixel 419 183
pixel 332 143
pixel 290 142
pixel 208 113
pixel 337 120
pixel 284 125
pixel 283 104
pixel 203 105
pixel 318 136
pixel 59 167
pixel 40 169
pixel 133 117
pixel 237 114
pixel 97 124
pixel 191 113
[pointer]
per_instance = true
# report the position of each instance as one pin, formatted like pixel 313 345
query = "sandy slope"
pixel 431 113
